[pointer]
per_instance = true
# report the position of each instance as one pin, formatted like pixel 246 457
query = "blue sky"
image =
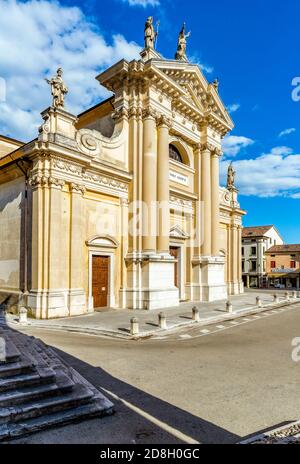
pixel 250 45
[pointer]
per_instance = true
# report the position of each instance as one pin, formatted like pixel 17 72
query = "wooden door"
pixel 174 251
pixel 100 281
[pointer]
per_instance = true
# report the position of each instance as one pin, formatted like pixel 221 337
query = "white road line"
pixel 205 331
pixel 186 336
pixel 234 322
pixel 163 425
pixel 221 327
pixel 256 317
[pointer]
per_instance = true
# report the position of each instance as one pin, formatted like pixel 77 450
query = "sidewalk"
pixel 116 323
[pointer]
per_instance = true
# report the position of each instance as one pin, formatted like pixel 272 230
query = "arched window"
pixel 174 154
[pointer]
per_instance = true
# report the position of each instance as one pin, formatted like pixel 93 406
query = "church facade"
pixel 121 206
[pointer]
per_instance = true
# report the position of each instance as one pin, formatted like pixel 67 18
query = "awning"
pixel 277 276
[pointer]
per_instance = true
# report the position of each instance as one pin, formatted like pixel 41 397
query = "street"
pixel 215 384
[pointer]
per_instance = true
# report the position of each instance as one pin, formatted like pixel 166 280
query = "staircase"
pixel 38 390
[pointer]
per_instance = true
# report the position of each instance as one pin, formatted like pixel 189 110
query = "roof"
pixel 284 249
pixel 110 99
pixel 257 231
pixel 9 139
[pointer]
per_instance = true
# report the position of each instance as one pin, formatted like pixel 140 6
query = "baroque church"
pixel 121 206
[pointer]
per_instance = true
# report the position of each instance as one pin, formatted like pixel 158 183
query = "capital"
pixel 164 121
pixel 77 188
pixel 149 113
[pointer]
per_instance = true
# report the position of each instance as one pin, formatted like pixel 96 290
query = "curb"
pixel 114 334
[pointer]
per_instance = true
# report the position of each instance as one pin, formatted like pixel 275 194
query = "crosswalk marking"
pixel 221 327
pixel 186 336
pixel 234 322
pixel 205 331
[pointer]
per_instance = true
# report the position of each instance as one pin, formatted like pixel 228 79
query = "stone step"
pixel 40 377
pixel 78 414
pixel 12 354
pixel 23 366
pixel 61 385
pixel 79 396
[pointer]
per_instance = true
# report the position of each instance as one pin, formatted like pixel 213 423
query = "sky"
pixel 251 46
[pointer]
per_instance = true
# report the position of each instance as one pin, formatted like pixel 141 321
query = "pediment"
pixel 197 91
pixel 177 232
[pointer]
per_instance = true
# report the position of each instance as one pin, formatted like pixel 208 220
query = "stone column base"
pixel 234 288
pixel 212 278
pixel 51 304
pixel 155 289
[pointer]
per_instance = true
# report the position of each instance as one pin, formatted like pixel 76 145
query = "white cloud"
pixel 233 108
pixel 287 132
pixel 143 3
pixel 42 36
pixel 273 174
pixel 233 144
pixel 203 66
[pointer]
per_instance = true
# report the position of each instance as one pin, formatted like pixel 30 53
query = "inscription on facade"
pixel 179 178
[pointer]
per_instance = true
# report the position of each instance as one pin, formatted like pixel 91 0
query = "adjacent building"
pixel 121 206
pixel 283 266
pixel 255 242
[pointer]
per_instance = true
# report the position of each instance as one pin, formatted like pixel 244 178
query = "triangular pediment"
pixel 197 91
pixel 177 232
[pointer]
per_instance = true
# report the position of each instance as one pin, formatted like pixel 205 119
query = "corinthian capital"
pixel 77 188
pixel 163 120
pixel 120 113
pixel 215 151
pixel 149 113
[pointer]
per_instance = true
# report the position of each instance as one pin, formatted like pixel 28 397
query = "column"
pixel 206 201
pixel 234 256
pixel 55 277
pixel 149 182
pixel 199 213
pixel 76 237
pixel 133 188
pixel 215 205
pixel 163 186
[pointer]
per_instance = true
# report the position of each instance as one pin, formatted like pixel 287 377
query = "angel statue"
pixel 230 177
pixel 150 34
pixel 58 89
pixel 181 47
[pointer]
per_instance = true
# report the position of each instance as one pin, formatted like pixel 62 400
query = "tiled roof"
pixel 284 249
pixel 255 231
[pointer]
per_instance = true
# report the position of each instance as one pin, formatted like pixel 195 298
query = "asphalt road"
pixel 203 385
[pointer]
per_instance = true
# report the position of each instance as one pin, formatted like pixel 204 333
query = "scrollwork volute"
pixel 88 142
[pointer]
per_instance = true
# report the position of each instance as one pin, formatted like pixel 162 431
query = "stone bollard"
pixel 287 296
pixel 295 295
pixel 229 307
pixel 162 321
pixel 196 314
pixel 276 299
pixel 23 315
pixel 134 326
pixel 258 302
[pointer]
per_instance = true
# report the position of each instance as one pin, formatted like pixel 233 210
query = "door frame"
pixel 111 268
pixel 181 264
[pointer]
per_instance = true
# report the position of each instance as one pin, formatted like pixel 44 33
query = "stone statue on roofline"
pixel 150 34
pixel 230 177
pixel 181 46
pixel 58 89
